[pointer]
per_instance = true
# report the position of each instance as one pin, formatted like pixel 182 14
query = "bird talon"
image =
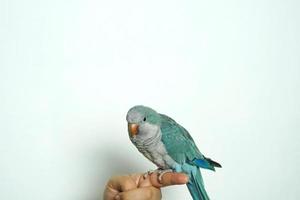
pixel 145 175
pixel 161 173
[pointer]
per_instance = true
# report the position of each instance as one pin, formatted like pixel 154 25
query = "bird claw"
pixel 145 175
pixel 160 173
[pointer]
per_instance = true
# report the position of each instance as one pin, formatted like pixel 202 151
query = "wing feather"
pixel 178 142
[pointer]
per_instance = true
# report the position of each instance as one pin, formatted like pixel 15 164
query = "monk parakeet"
pixel 168 145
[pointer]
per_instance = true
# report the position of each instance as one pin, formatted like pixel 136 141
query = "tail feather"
pixel 213 163
pixel 196 186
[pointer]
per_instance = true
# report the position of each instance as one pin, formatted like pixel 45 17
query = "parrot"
pixel 169 146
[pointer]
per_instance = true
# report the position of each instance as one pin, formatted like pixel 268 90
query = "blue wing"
pixel 180 145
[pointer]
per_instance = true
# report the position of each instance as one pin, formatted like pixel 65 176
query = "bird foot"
pixel 160 173
pixel 145 175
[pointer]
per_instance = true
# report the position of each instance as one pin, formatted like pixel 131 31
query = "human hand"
pixel 136 187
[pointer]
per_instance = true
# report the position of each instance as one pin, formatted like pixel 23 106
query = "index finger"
pixel 170 178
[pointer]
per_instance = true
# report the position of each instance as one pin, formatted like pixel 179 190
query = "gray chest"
pixel 155 152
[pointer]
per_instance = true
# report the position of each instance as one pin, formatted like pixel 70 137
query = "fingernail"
pixel 185 178
pixel 117 197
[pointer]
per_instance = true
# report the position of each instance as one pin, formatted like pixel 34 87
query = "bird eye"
pixel 144 119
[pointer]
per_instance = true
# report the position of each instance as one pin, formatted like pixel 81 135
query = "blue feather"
pixel 203 164
pixel 196 186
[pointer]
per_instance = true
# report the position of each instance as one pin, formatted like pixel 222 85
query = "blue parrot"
pixel 168 145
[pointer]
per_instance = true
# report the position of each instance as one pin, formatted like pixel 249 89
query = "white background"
pixel 228 71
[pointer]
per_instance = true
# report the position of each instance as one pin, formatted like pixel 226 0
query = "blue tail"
pixel 196 186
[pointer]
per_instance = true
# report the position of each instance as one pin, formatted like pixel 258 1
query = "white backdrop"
pixel 228 71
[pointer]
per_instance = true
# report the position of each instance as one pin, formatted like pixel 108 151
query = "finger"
pixel 122 183
pixel 136 178
pixel 144 182
pixel 145 193
pixel 170 178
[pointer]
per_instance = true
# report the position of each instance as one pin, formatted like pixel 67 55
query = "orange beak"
pixel 133 129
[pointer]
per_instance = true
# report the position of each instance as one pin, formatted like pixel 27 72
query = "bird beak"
pixel 133 129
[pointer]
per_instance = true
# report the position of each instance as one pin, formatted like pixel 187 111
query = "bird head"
pixel 142 121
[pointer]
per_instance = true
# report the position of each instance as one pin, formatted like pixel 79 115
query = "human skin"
pixel 136 187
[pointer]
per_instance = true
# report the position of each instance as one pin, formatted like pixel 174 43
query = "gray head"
pixel 142 121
